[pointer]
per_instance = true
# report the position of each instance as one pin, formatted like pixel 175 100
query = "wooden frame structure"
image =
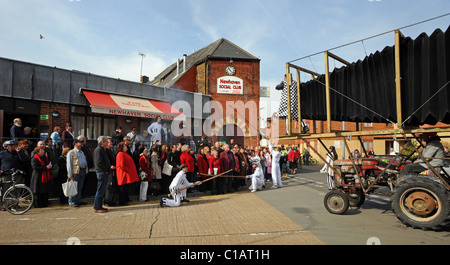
pixel 398 127
pixel 327 55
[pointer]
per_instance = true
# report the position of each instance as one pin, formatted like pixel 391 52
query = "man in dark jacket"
pixel 17 130
pixel 117 137
pixel 103 170
pixel 228 162
pixel 10 159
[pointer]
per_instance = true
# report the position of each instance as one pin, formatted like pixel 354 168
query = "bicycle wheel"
pixel 18 199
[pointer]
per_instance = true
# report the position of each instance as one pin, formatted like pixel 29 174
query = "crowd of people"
pixel 122 164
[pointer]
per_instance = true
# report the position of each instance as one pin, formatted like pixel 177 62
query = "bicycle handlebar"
pixel 12 172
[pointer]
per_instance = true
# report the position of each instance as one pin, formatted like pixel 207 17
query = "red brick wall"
pixel 249 73
pixel 188 81
pixel 204 79
pixel 46 126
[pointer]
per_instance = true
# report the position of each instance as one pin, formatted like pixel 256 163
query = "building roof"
pixel 220 49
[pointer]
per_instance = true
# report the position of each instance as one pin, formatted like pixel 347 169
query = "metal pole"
pixel 142 63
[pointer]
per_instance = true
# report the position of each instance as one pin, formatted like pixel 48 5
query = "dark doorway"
pixel 231 131
pixel 28 111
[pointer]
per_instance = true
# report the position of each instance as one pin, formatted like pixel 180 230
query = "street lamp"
pixel 142 61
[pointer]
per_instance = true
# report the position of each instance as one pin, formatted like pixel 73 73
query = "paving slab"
pixel 240 218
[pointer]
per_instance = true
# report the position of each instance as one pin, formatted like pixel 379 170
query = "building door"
pixel 28 111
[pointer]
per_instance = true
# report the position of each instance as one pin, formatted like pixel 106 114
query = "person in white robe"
pixel 276 172
pixel 178 183
pixel 257 178
pixel 331 157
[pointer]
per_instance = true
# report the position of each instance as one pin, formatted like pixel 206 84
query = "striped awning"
pixel 105 103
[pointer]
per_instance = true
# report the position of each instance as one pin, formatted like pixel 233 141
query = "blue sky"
pixel 105 36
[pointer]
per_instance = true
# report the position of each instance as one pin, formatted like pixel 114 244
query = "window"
pixel 78 124
pixel 368 145
pixel 109 126
pixel 94 127
pixel 91 125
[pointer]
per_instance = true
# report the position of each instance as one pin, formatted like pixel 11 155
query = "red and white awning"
pixel 111 104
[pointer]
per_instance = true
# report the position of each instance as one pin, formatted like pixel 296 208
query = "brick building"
pixel 231 76
pixel 381 144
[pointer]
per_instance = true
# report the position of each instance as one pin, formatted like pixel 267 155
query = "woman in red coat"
pixel 126 172
pixel 187 159
pixel 215 163
pixel 202 164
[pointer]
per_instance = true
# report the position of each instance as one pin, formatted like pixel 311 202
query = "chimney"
pixel 184 62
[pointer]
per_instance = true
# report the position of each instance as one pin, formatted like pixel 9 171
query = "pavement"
pixel 239 218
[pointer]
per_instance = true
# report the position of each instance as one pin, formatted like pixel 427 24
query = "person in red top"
pixel 209 157
pixel 291 159
pixel 215 167
pixel 228 162
pixel 203 166
pixel 187 159
pixel 297 158
pixel 126 172
pixel 202 163
pixel 144 164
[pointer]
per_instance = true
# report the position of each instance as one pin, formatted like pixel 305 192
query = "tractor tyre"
pixel 356 199
pixel 336 202
pixel 422 203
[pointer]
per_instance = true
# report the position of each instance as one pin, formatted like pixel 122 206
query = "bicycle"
pixel 17 199
pixel 312 161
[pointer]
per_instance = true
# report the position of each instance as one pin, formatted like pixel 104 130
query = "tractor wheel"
pixel 356 199
pixel 422 203
pixel 336 202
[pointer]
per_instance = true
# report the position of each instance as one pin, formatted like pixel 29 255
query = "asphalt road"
pixel 301 199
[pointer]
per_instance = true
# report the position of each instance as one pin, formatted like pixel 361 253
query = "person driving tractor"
pixel 433 149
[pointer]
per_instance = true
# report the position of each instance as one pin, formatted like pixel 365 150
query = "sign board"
pixel 44 117
pixel 44 136
pixel 264 92
pixel 132 113
pixel 230 85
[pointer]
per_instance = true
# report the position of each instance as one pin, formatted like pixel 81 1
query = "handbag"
pixel 143 176
pixel 70 188
pixel 167 169
pixel 154 186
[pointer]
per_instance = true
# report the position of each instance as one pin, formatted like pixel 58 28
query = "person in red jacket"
pixel 291 159
pixel 203 166
pixel 145 174
pixel 297 158
pixel 228 162
pixel 215 167
pixel 126 172
pixel 202 163
pixel 187 159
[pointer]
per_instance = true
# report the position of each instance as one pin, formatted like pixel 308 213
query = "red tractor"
pixel 420 201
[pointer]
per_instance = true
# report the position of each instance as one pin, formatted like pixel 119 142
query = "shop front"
pixel 45 97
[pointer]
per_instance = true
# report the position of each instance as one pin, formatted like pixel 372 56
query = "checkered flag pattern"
pixel 282 110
